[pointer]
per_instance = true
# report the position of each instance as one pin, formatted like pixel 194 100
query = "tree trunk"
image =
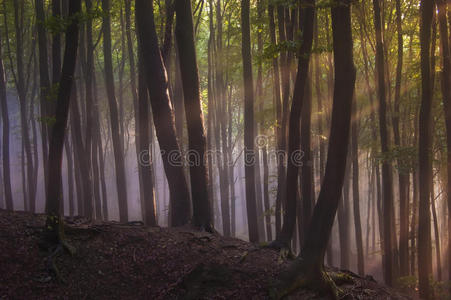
pixel 278 108
pixel 143 142
pixel 356 190
pixel 5 136
pixel 309 265
pixel 22 93
pixel 249 150
pixel 163 115
pixel 121 183
pixel 425 160
pixel 70 176
pixel 82 155
pixel 387 181
pixel 44 82
pixel 295 159
pixel 445 84
pixel 184 33
pixel 54 221
pixel 402 176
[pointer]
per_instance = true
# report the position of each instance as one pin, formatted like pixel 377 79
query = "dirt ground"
pixel 130 261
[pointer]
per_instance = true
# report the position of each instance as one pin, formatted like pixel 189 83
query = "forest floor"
pixel 130 261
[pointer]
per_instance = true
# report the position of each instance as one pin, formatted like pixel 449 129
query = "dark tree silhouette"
pixel 249 149
pixel 184 32
pixel 307 269
pixel 5 135
pixel 162 112
pixel 445 84
pixel 425 159
pixel 118 150
pixel 387 181
pixel 299 97
pixel 54 222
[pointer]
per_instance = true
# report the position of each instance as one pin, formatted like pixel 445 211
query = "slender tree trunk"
pixel 278 108
pixel 445 87
pixel 249 150
pixel 121 183
pixel 343 222
pixel 425 160
pixel 70 176
pixel 301 95
pixel 163 115
pixel 44 82
pixel 356 190
pixel 82 156
pixel 145 165
pixel 282 142
pixel 54 221
pixel 387 181
pixel 5 136
pixel 22 93
pixel 402 176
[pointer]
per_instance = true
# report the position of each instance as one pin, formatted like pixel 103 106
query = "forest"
pixel 314 136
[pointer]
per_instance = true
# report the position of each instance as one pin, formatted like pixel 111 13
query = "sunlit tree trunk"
pixel 278 109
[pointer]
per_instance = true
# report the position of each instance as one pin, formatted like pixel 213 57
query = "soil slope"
pixel 130 261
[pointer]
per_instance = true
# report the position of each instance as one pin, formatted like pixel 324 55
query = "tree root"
pixel 302 274
pixel 284 249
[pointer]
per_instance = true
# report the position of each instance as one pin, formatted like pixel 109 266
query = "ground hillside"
pixel 118 261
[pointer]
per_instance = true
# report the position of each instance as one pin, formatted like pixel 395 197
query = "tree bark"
pixel 425 159
pixel 445 88
pixel 5 136
pixel 184 32
pixel 118 150
pixel 163 115
pixel 249 150
pixel 309 265
pixel 356 190
pixel 387 181
pixel 54 221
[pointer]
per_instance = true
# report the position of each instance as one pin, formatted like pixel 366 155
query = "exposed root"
pixel 302 274
pixel 284 249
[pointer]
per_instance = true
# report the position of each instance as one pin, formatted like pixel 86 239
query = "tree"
pixel 143 143
pixel 307 269
pixel 184 33
pixel 249 149
pixel 445 84
pixel 54 221
pixel 299 97
pixel 121 184
pixel 387 181
pixel 424 152
pixel 5 135
pixel 162 112
pixel 402 176
pixel 44 81
pixel 355 189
